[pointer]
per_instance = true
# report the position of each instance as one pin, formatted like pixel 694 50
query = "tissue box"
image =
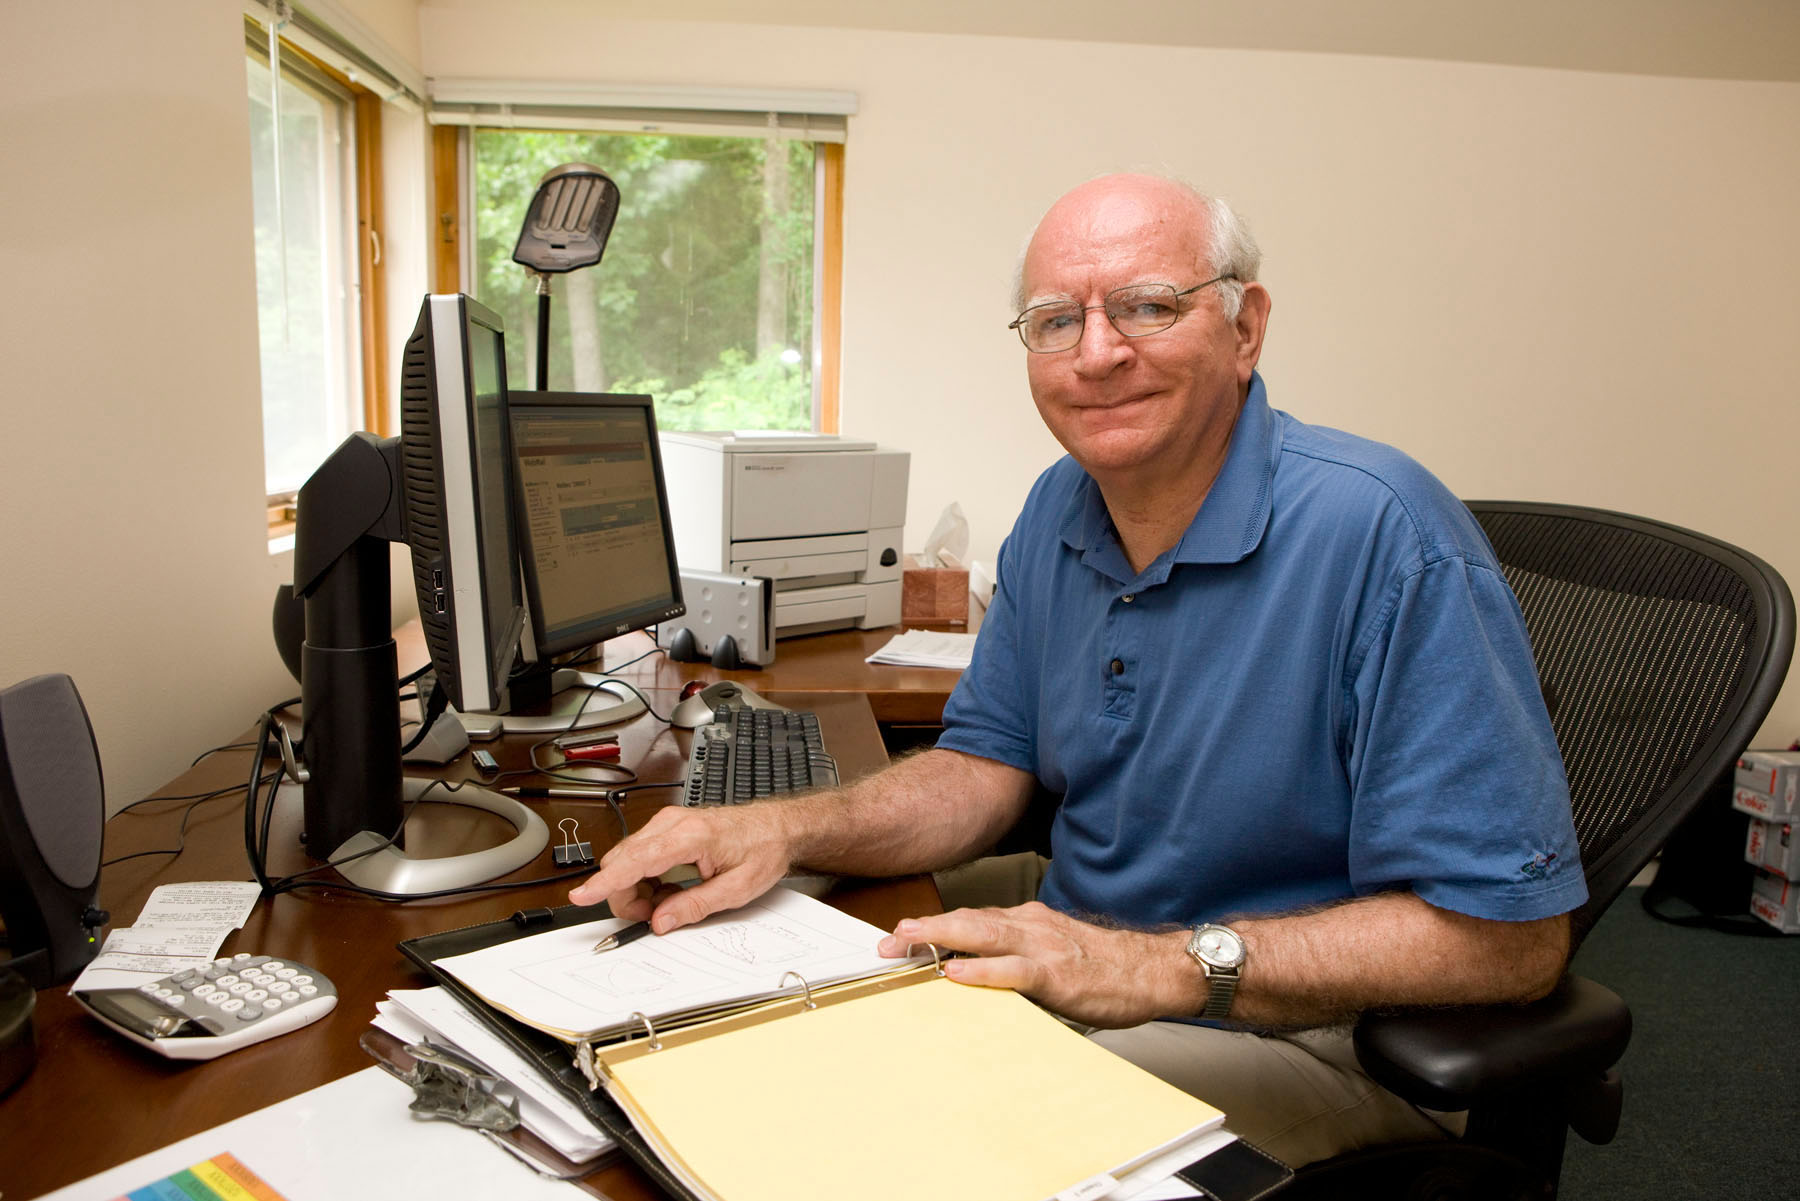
pixel 934 595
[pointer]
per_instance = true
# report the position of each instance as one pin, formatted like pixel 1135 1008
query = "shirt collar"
pixel 1231 520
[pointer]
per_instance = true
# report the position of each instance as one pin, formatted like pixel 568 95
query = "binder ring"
pixel 937 962
pixel 655 1042
pixel 805 988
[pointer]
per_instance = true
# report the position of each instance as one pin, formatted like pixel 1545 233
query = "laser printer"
pixel 819 515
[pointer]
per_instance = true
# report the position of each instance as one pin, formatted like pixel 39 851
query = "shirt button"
pixel 1118 667
pixel 1128 598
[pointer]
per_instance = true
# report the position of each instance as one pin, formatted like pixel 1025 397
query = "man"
pixel 1274 672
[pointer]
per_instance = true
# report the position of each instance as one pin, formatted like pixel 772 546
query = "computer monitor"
pixel 597 552
pixel 445 488
pixel 457 486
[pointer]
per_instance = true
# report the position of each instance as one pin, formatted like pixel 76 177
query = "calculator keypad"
pixel 242 989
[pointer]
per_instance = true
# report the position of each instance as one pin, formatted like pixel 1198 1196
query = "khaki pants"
pixel 1299 1096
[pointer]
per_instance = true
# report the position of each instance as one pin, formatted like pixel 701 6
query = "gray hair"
pixel 1232 250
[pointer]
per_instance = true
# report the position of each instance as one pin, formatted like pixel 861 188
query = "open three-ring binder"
pixel 887 1086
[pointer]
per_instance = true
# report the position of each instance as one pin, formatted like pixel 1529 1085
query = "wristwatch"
pixel 1220 953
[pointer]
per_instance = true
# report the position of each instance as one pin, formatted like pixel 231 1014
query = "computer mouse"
pixel 692 711
pixel 697 710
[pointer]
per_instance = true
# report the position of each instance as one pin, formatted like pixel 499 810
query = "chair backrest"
pixel 1659 651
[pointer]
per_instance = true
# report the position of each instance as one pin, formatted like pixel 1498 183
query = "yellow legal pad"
pixel 903 1090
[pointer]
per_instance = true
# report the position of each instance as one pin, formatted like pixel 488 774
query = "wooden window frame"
pixel 378 415
pixel 831 283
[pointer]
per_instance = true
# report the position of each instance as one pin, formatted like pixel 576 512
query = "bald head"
pixel 1200 229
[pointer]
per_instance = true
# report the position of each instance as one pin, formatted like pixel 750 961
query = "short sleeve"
pixel 1457 786
pixel 988 714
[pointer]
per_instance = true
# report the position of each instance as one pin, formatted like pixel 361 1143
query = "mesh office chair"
pixel 1660 652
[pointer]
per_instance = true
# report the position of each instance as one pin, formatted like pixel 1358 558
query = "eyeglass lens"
pixel 1135 311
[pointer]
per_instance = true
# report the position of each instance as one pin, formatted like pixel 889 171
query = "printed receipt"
pixel 181 926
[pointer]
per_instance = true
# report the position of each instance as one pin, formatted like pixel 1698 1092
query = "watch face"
pixel 1219 947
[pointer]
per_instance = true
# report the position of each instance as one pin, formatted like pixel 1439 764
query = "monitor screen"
pixel 487 397
pixel 598 553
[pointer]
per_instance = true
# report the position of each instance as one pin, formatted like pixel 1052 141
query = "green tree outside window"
pixel 704 298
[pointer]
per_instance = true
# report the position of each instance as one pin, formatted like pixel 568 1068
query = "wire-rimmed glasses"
pixel 1134 311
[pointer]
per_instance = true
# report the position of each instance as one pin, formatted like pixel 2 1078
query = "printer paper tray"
pixel 806 606
pixel 788 567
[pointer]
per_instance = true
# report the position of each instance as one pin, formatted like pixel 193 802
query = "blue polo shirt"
pixel 1323 691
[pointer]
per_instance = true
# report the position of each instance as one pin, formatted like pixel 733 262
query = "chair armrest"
pixel 1454 1059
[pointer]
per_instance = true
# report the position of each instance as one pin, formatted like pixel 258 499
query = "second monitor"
pixel 596 550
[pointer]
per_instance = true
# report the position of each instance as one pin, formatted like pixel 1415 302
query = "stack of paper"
pixel 927 648
pixel 432 1015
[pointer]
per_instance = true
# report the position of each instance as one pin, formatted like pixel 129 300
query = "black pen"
pixel 623 936
pixel 566 794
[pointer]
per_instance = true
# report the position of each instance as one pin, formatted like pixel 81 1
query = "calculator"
pixel 202 1013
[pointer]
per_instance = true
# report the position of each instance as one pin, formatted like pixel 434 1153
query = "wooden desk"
pixel 832 662
pixel 95 1101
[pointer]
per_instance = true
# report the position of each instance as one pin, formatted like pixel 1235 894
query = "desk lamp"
pixel 565 229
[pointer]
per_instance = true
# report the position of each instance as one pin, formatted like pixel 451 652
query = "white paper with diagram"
pixel 558 983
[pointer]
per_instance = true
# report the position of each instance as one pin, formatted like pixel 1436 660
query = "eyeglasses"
pixel 1134 311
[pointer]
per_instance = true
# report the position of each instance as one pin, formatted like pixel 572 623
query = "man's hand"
pixel 739 852
pixel 919 814
pixel 1087 973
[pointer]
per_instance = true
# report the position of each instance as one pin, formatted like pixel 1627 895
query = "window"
pixel 705 298
pixel 307 298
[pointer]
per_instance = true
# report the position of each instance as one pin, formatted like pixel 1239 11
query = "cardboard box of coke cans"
pixel 1767 785
pixel 1776 901
pixel 1772 847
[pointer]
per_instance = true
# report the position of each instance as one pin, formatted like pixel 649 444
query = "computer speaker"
pixel 289 620
pixel 52 811
pixel 730 621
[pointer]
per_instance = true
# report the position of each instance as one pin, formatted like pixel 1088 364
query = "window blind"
pixel 813 116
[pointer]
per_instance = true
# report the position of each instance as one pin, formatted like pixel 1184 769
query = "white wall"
pixel 394 22
pixel 134 542
pixel 1544 284
pixel 131 468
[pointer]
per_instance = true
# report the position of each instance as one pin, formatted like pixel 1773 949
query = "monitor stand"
pixel 578 700
pixel 387 868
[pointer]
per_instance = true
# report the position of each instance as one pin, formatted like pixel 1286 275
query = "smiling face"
pixel 1149 410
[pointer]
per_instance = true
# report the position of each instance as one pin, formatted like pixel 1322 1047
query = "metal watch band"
pixel 1221 987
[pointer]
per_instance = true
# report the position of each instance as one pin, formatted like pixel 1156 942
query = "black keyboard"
pixel 744 753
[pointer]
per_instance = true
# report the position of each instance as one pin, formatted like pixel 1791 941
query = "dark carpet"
pixel 1712 1076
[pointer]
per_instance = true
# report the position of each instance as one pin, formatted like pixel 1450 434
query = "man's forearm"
pixel 1307 969
pixel 922 813
pixel 1389 950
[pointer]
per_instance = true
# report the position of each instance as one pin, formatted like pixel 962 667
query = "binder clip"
pixel 447 1085
pixel 571 852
